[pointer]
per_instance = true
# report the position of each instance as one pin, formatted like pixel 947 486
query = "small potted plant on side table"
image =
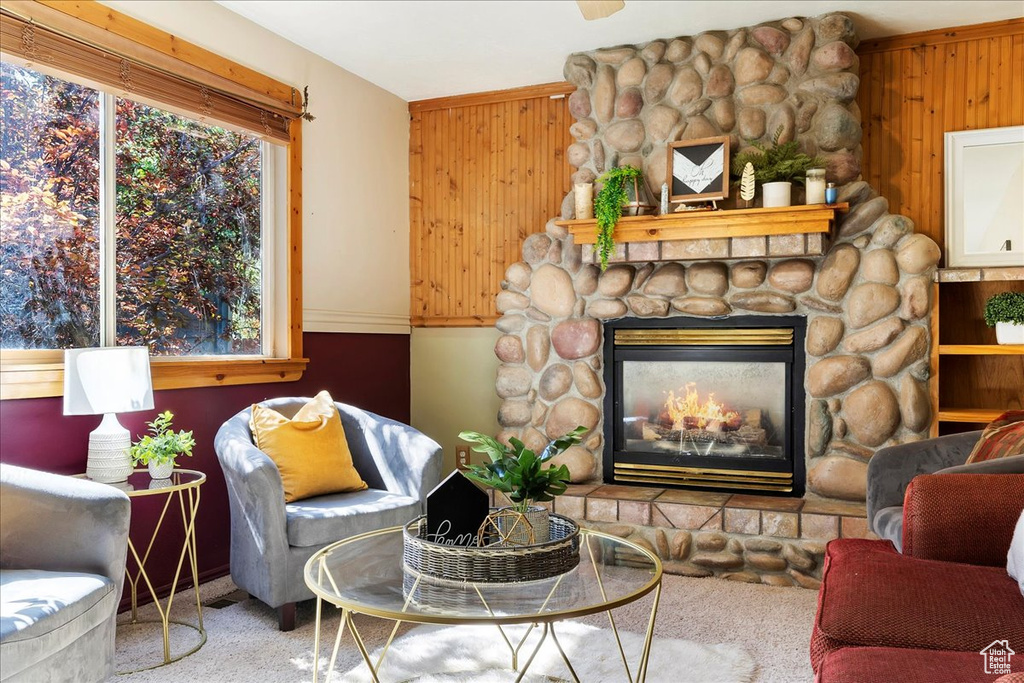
pixel 520 473
pixel 158 449
pixel 1005 312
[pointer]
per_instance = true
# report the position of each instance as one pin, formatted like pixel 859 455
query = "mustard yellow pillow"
pixel 310 449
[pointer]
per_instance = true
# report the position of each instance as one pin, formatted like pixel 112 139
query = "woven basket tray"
pixel 555 556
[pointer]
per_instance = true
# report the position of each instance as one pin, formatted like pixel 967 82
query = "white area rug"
pixel 438 654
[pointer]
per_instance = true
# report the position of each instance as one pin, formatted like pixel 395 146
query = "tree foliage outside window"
pixel 186 225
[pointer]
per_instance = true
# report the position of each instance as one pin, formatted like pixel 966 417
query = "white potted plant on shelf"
pixel 776 167
pixel 158 449
pixel 1005 312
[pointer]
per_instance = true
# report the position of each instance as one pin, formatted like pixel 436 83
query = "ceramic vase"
pixel 161 470
pixel 1009 333
pixel 777 194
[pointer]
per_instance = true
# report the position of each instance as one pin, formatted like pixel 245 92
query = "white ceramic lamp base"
pixel 108 452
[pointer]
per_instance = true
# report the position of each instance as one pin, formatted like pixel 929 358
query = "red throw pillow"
pixel 1003 437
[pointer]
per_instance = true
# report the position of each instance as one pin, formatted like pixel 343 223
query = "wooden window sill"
pixel 38 380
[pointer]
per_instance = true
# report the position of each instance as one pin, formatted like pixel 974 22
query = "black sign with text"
pixel 455 510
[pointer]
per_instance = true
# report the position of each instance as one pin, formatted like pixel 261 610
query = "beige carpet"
pixel 772 625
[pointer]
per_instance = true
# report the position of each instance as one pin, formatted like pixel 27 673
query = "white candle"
pixel 584 193
pixel 816 186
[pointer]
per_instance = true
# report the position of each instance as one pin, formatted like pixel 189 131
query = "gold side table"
pixel 183 486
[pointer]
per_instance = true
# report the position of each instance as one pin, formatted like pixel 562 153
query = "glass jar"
pixel 815 186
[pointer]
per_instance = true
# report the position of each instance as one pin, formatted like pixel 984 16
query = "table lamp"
pixel 105 381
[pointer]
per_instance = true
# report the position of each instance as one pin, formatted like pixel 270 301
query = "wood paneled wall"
pixel 485 171
pixel 918 86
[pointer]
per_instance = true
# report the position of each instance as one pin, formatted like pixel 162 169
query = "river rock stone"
pixel 576 338
pixel 538 347
pixel 535 248
pixel 518 275
pixel 647 308
pixel 839 86
pixel 702 306
pixel 629 104
pixel 910 347
pixel 916 298
pixel 513 381
pixel 678 50
pixel 587 382
pixel 837 127
pixel 823 335
pixel 657 82
pixel 625 136
pixel 702 63
pixel 603 309
pixel 917 254
pixel 585 281
pixel 748 274
pixel 779 75
pixel 513 413
pixel 511 301
pixel 631 73
pixel 510 323
pixel 837 272
pixel 752 65
pixel 842 166
pixel 653 51
pixel 579 461
pixel 660 122
pixel 568 414
pixel 736 41
pixel 552 291
pixel 710 44
pixel 870 302
pixel 837 477
pixel 579 107
pixel 874 337
pixel 819 428
pixel 835 375
pixel 762 302
pixel 751 123
pixel 698 127
pixel 509 349
pixel 720 81
pixel 555 381
pixel 872 413
pixel 686 86
pixel 579 70
pixel 707 278
pixel 793 275
pixel 915 406
pixel 577 154
pixel 616 281
pixel 756 95
pixel 890 229
pixel 836 27
pixel 724 113
pixel 773 40
pixel 799 53
pixel 834 57
pixel 603 94
pixel 614 55
pixel 861 218
pixel 792 24
pixel 669 280
pixel 855 193
pixel 879 265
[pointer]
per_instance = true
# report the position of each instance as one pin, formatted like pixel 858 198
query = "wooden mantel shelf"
pixel 696 225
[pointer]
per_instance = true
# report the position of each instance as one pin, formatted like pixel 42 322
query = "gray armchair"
pixel 271 540
pixel 891 470
pixel 63 545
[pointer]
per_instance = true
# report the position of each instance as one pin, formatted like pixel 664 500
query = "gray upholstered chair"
pixel 63 545
pixel 891 470
pixel 271 540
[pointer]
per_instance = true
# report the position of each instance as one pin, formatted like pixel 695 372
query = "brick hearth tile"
pixel 588 255
pixel 815 244
pixel 713 524
pixel 742 500
pixel 739 521
pixel 602 510
pixel 786 245
pixel 626 492
pixel 742 247
pixel 780 524
pixel 635 512
pixel 618 255
pixel 693 497
pixel 643 251
pixel 834 507
pixel 695 249
pixel 686 516
pixel 855 527
pixel 658 518
pixel 579 489
pixel 571 506
pixel 819 527
pixel 1010 273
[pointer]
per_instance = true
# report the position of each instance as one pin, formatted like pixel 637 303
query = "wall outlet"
pixel 462 457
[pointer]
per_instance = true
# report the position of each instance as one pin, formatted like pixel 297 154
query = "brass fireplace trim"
pixel 708 336
pixel 753 480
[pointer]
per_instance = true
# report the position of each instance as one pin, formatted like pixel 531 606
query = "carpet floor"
pixel 770 625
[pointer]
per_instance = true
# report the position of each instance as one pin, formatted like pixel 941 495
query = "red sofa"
pixel 926 614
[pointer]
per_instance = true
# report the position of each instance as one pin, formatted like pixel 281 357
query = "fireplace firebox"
pixel 706 404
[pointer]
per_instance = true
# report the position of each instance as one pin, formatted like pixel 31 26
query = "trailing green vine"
pixel 608 206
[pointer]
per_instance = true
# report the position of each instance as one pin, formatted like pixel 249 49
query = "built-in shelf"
pixel 990 274
pixel 979 415
pixel 981 349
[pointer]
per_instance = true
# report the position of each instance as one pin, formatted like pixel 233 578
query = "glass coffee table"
pixel 365 575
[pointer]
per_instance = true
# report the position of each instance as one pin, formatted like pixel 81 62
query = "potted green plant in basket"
pixel 776 167
pixel 158 449
pixel 608 204
pixel 1005 312
pixel 521 474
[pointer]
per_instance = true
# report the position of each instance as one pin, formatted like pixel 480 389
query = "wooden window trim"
pixel 27 374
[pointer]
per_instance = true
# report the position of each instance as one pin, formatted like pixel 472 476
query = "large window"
pixel 126 224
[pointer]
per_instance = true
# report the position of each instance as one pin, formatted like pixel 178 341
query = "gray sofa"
pixel 891 470
pixel 271 540
pixel 63 545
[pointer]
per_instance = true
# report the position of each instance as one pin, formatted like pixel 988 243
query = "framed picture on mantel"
pixel 700 169
pixel 984 202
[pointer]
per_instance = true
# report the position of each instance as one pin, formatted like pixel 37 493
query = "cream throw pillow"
pixel 310 449
pixel 1015 558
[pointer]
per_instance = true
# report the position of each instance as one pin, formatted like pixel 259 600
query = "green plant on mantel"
pixel 517 471
pixel 162 444
pixel 775 164
pixel 608 206
pixel 1005 307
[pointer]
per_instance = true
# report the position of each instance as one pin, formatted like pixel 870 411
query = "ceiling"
pixel 419 49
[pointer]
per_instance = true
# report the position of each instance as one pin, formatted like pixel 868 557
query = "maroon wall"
pixel 367 370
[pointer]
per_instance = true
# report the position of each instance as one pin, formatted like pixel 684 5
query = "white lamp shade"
pixel 107 380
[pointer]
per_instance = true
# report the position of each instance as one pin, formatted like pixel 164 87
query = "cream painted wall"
pixel 453 371
pixel 355 169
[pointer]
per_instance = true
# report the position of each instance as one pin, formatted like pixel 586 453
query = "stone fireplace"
pixel 862 289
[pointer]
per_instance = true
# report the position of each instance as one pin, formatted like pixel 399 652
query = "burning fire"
pixel 690 413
